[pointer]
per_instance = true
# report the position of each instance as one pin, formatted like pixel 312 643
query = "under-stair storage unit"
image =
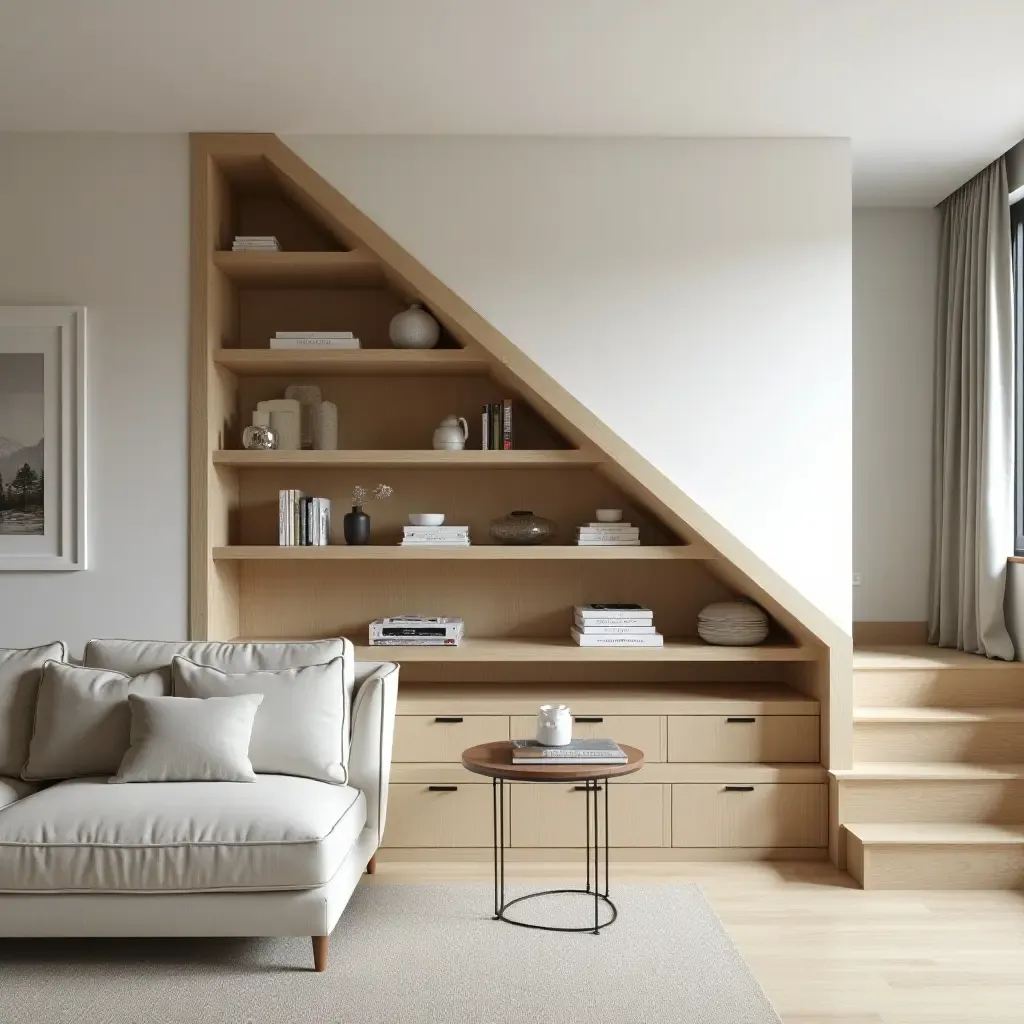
pixel 709 718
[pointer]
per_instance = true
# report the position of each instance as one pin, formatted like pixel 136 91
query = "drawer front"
pixel 444 737
pixel 449 816
pixel 743 738
pixel 768 814
pixel 553 814
pixel 642 731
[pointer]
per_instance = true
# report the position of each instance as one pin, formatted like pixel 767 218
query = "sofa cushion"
pixel 14 789
pixel 82 721
pixel 183 739
pixel 82 835
pixel 20 669
pixel 301 722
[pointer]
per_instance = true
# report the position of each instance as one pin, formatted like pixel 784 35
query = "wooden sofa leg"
pixel 371 865
pixel 320 953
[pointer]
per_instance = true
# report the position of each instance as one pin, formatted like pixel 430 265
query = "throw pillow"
pixel 302 726
pixel 181 739
pixel 20 669
pixel 82 724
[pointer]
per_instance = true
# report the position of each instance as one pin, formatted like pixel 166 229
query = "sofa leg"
pixel 320 953
pixel 371 865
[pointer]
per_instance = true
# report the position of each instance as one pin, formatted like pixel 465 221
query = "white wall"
pixel 695 294
pixel 103 221
pixel 894 281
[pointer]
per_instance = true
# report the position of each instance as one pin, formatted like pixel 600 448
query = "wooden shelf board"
pixel 410 459
pixel 475 553
pixel 336 363
pixel 301 269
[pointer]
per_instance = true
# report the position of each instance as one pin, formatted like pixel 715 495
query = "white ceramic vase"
pixel 414 328
pixel 451 434
pixel 325 427
pixel 554 725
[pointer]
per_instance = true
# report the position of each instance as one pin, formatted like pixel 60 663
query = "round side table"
pixel 495 761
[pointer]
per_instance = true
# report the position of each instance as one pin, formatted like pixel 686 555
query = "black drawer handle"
pixel 451 719
pixel 445 789
pixel 583 789
pixel 739 789
pixel 589 719
pixel 745 721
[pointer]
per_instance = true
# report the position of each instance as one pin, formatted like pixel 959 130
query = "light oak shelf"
pixel 475 553
pixel 336 363
pixel 410 459
pixel 301 269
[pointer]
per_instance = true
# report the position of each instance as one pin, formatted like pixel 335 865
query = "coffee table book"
pixel 592 751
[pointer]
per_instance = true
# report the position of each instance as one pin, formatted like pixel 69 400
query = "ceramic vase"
pixel 414 328
pixel 451 434
pixel 325 427
pixel 554 725
pixel 522 528
pixel 356 526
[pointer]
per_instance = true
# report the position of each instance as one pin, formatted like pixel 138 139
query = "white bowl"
pixel 426 518
pixel 609 515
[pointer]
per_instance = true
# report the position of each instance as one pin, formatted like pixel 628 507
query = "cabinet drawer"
pixel 642 731
pixel 554 814
pixel 444 737
pixel 747 738
pixel 768 814
pixel 443 817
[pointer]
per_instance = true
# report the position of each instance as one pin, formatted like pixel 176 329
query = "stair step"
pixel 941 771
pixel 928 715
pixel 985 735
pixel 936 855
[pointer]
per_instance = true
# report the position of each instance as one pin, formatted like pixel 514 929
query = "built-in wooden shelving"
pixel 474 553
pixel 410 459
pixel 301 269
pixel 265 362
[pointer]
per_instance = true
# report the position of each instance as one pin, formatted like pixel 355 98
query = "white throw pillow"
pixel 20 669
pixel 82 723
pixel 302 727
pixel 177 739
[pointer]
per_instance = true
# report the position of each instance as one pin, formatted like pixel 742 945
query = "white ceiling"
pixel 929 91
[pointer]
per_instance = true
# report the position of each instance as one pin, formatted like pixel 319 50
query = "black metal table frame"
pixel 593 788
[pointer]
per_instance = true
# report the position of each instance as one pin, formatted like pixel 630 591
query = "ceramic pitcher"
pixel 451 434
pixel 554 725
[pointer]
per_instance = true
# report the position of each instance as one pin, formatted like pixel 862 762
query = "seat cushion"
pixel 20 670
pixel 83 835
pixel 14 789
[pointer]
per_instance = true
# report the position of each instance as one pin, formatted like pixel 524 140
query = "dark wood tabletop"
pixel 495 761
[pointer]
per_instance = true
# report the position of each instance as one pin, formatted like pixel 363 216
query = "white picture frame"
pixel 46 388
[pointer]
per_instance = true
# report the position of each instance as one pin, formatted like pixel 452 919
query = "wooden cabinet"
pixel 439 815
pixel 749 815
pixel 444 737
pixel 642 731
pixel 743 738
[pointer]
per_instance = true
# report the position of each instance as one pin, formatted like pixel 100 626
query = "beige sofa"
pixel 281 856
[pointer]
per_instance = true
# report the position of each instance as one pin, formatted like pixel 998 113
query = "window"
pixel 1017 249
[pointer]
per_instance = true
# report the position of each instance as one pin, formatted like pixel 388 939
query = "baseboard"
pixel 889 634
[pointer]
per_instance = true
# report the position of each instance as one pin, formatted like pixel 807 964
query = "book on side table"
pixel 596 751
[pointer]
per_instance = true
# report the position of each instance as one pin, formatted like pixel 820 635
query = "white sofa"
pixel 281 856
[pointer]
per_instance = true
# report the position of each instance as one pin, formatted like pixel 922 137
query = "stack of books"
pixel 416 631
pixel 496 427
pixel 614 625
pixel 303 521
pixel 576 752
pixel 255 243
pixel 315 339
pixel 435 537
pixel 608 535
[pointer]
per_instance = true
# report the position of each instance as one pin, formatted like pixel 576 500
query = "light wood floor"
pixel 828 953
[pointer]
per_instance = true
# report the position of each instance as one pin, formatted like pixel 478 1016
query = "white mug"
pixel 554 725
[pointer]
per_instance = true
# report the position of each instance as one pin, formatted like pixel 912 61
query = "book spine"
pixel 312 342
pixel 334 335
pixel 589 624
pixel 496 426
pixel 588 630
pixel 648 640
pixel 282 536
pixel 485 429
pixel 289 514
pixel 412 641
pixel 506 424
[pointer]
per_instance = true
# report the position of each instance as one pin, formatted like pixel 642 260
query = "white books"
pixel 587 624
pixel 598 542
pixel 611 611
pixel 414 531
pixel 449 631
pixel 318 334
pixel 607 526
pixel 425 542
pixel 588 630
pixel 315 341
pixel 642 640
pixel 429 620
pixel 591 531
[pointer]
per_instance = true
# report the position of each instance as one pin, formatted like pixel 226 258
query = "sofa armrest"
pixel 373 730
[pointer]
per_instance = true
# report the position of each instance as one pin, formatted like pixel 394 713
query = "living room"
pixel 650 328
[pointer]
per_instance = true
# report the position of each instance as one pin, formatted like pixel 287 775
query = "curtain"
pixel 972 528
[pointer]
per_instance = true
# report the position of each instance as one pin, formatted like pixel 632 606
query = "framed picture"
pixel 42 438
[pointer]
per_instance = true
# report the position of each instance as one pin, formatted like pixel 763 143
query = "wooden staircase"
pixel 935 798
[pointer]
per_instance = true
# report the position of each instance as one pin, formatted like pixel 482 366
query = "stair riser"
pixel 951 688
pixel 935 867
pixel 962 742
pixel 993 802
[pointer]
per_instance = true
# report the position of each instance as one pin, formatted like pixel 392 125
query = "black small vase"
pixel 357 526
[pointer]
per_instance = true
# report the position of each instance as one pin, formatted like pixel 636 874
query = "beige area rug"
pixel 407 954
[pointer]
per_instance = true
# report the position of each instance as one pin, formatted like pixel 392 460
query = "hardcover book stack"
pixel 496 426
pixel 435 537
pixel 315 339
pixel 416 631
pixel 255 243
pixel 575 752
pixel 614 625
pixel 303 521
pixel 608 535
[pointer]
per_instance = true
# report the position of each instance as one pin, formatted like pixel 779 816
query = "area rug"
pixel 407 954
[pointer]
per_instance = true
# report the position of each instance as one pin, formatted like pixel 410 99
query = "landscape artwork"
pixel 21 443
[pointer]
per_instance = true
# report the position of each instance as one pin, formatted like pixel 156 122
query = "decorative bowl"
pixel 609 515
pixel 522 528
pixel 426 518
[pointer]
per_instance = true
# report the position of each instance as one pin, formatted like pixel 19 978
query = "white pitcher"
pixel 554 725
pixel 452 434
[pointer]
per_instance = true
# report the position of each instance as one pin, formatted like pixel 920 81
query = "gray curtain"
pixel 973 458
